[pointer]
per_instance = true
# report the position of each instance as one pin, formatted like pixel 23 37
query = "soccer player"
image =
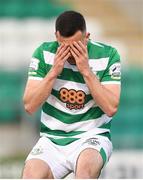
pixel 77 83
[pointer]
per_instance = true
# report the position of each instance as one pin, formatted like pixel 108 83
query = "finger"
pixel 74 54
pixel 63 48
pixel 82 46
pixel 76 51
pixel 66 57
pixel 59 48
pixel 79 47
pixel 64 53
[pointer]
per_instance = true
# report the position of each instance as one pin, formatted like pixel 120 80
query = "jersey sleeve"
pixel 112 74
pixel 37 67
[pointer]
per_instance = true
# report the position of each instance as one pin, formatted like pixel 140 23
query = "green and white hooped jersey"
pixel 70 112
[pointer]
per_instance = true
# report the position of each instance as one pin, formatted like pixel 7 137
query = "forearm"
pixel 36 93
pixel 35 97
pixel 105 99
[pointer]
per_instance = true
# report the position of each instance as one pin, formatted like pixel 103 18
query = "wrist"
pixel 87 73
pixel 52 74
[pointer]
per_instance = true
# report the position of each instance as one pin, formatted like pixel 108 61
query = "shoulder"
pixel 49 46
pixel 99 50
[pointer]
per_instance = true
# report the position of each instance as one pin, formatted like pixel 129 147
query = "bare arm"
pixel 36 92
pixel 106 96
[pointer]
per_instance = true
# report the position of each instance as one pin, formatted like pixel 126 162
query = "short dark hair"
pixel 69 22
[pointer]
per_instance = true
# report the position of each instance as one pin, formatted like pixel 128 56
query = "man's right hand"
pixel 36 91
pixel 62 54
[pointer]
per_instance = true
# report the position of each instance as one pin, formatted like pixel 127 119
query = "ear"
pixel 87 37
pixel 57 34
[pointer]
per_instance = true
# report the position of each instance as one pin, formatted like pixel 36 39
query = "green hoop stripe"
pixel 92 113
pixel 58 132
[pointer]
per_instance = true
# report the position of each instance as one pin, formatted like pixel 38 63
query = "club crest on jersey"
pixel 73 99
pixel 34 64
pixel 115 71
pixel 37 151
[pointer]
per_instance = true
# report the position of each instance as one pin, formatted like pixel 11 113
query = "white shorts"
pixel 62 159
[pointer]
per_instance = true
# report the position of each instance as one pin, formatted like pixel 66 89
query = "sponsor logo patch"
pixel 73 99
pixel 34 64
pixel 115 71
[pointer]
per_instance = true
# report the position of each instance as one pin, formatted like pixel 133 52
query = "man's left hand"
pixel 80 54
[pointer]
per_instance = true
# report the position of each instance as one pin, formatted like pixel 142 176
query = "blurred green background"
pixel 24 25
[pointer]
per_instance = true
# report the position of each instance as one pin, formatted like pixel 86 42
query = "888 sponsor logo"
pixel 73 99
